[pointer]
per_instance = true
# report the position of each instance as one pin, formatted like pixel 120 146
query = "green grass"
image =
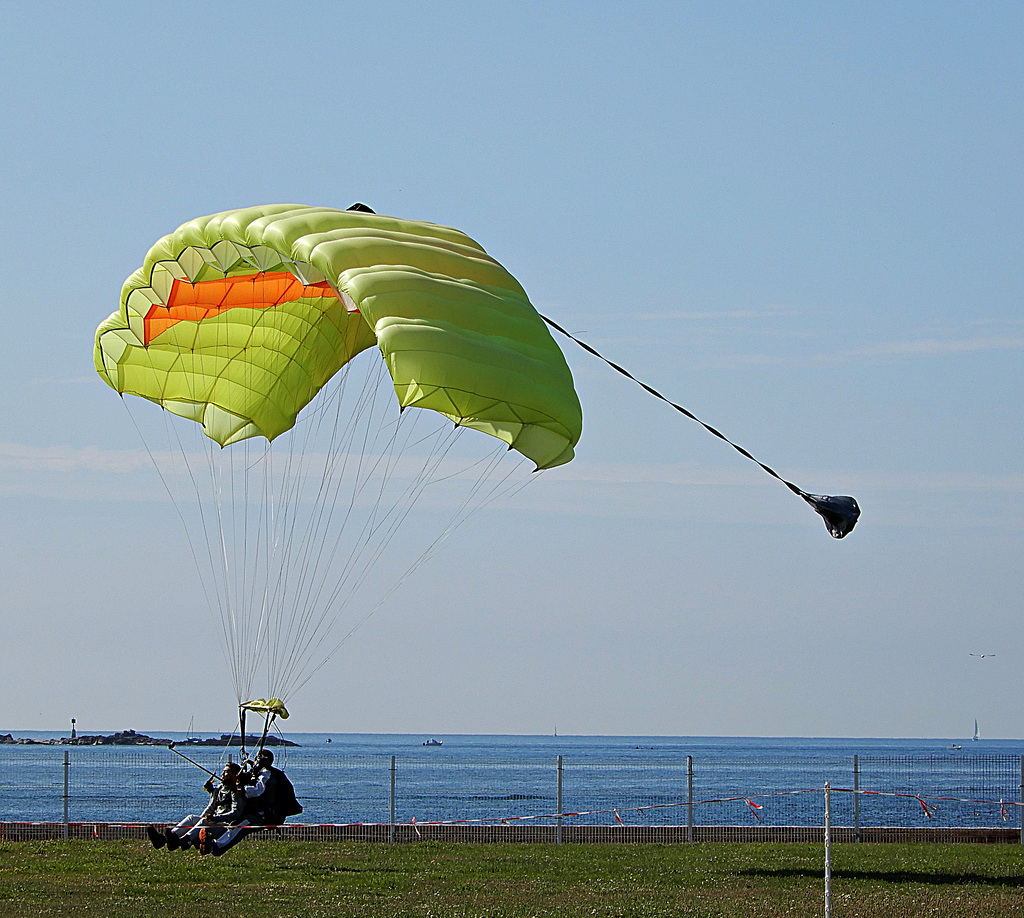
pixel 274 879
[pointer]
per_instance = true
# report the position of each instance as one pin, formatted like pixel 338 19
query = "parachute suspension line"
pixel 377 530
pixel 313 546
pixel 266 551
pixel 284 503
pixel 249 596
pixel 254 556
pixel 215 592
pixel 254 595
pixel 177 508
pixel 217 486
pixel 288 545
pixel 225 489
pixel 213 544
pixel 500 489
pixel 839 513
pixel 274 527
pixel 335 474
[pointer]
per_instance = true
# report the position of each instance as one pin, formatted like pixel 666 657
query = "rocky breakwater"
pixel 131 738
pixel 124 738
pixel 233 739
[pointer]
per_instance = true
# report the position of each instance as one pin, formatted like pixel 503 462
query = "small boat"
pixel 190 738
pixel 977 735
pixel 433 742
pixel 955 746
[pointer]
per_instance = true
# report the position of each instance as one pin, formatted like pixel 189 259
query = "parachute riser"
pixel 268 723
pixel 269 716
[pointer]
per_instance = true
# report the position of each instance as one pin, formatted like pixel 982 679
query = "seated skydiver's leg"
pixel 232 836
pixel 186 824
pixel 195 834
pixel 177 837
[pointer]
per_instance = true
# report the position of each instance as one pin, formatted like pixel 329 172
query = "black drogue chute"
pixel 839 513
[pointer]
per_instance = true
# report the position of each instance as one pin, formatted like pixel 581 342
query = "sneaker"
pixel 156 837
pixel 205 841
pixel 171 840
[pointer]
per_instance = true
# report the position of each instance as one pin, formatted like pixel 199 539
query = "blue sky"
pixel 800 220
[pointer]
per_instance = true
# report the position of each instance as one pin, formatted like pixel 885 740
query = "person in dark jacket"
pixel 269 800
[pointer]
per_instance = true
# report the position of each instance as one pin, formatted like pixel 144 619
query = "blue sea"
pixel 642 780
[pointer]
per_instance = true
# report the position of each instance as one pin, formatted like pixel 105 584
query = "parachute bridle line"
pixel 840 513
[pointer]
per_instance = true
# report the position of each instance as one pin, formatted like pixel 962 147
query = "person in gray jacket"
pixel 226 808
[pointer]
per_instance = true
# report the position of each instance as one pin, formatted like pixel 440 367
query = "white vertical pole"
pixel 558 803
pixel 391 827
pixel 856 798
pixel 828 850
pixel 689 798
pixel 67 770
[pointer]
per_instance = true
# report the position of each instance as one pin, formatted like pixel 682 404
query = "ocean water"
pixel 642 780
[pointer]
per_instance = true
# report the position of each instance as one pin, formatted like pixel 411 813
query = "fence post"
pixel 828 850
pixel 689 798
pixel 391 827
pixel 558 803
pixel 856 798
pixel 67 771
pixel 1021 807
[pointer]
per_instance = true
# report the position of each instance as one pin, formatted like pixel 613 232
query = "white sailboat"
pixel 977 735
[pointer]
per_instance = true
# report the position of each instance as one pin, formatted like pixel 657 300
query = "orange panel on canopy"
pixel 195 302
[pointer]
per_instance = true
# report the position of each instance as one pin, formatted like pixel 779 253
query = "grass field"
pixel 312 879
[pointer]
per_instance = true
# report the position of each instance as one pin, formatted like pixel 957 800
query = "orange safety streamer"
pixel 195 302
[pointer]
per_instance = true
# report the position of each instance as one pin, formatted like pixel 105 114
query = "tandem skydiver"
pixel 244 800
pixel 269 800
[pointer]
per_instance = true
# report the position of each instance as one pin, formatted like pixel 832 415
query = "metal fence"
pixel 685 798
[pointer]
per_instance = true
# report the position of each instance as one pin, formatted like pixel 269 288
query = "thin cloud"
pixel 938 346
pixel 672 316
pixel 19 457
pixel 51 471
pixel 685 476
pixel 87 378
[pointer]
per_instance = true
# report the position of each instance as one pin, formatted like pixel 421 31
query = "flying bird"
pixel 983 655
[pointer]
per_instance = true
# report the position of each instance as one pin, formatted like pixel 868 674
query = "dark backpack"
pixel 281 802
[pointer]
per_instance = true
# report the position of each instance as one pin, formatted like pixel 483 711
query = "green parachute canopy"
pixel 236 321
